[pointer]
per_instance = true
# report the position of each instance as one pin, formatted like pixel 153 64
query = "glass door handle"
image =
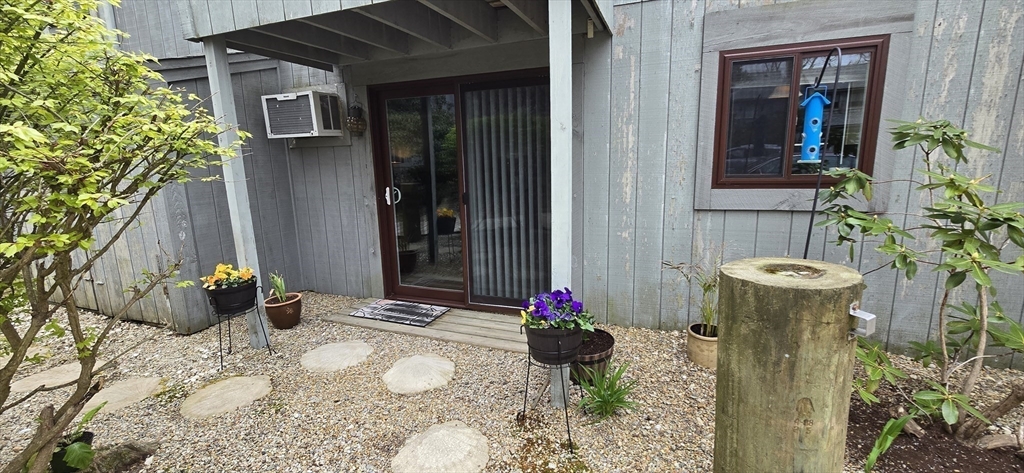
pixel 392 190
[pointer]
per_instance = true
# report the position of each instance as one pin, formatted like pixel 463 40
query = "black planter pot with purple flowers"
pixel 553 346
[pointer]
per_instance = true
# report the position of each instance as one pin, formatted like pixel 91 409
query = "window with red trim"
pixel 760 121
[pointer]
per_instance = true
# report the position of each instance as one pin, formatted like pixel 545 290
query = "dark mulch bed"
pixel 936 451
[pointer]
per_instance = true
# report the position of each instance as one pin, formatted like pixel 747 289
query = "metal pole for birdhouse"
pixel 813 114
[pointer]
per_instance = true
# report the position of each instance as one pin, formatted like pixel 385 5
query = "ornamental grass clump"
pixel 557 310
pixel 606 392
pixel 226 276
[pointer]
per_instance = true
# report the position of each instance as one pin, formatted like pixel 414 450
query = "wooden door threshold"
pixel 482 329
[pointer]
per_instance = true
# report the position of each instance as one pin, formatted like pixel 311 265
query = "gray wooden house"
pixel 576 143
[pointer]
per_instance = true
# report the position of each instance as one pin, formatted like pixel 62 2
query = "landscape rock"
pixel 336 356
pixel 225 396
pixel 443 448
pixel 418 373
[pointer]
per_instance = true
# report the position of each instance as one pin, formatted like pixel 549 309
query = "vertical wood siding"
pixel 335 216
pixel 154 27
pixel 192 221
pixel 334 240
pixel 963 61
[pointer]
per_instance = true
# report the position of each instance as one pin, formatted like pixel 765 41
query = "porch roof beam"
pixel 359 27
pixel 325 40
pixel 475 16
pixel 270 43
pixel 278 55
pixel 533 12
pixel 414 19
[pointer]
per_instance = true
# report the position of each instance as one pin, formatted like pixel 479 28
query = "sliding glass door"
pixel 464 199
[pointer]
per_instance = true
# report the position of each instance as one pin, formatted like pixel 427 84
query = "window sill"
pixel 794 200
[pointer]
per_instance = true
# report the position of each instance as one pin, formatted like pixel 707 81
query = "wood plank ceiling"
pixel 394 29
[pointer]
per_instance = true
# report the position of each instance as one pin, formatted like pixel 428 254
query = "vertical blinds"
pixel 508 162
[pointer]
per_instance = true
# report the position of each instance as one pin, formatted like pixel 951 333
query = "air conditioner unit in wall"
pixel 303 114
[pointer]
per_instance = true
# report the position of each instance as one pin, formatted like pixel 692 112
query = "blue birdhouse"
pixel 814 111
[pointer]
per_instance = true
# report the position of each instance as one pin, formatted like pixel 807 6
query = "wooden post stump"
pixel 785 365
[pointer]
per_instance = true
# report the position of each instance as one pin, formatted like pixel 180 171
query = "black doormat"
pixel 409 313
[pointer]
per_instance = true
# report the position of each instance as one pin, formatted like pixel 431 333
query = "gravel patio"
pixel 349 421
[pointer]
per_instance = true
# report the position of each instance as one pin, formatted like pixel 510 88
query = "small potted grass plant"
pixel 283 308
pixel 554 325
pixel 230 290
pixel 702 337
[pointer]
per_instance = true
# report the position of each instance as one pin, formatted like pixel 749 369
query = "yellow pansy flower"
pixel 245 273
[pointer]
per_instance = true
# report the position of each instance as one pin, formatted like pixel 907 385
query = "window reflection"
pixel 841 148
pixel 758 114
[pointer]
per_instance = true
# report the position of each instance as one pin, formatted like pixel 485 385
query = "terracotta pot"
pixel 233 300
pixel 554 346
pixel 284 315
pixel 700 349
pixel 595 361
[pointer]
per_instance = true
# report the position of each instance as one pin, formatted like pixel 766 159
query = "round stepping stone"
pixel 443 448
pixel 336 356
pixel 419 373
pixel 225 396
pixel 123 393
pixel 52 377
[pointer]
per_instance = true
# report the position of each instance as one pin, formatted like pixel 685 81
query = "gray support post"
pixel 560 385
pixel 234 176
pixel 560 67
pixel 785 365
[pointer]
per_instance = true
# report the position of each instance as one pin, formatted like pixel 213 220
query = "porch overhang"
pixel 332 33
pixel 326 34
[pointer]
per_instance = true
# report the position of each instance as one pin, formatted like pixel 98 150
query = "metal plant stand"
pixel 530 361
pixel 221 317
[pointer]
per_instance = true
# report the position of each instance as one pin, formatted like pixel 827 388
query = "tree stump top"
pixel 792 273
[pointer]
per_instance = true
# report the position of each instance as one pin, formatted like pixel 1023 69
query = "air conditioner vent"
pixel 302 114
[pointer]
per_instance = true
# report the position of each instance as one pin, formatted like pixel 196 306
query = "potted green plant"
pixel 554 325
pixel 74 452
pixel 445 221
pixel 702 337
pixel 283 308
pixel 230 291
